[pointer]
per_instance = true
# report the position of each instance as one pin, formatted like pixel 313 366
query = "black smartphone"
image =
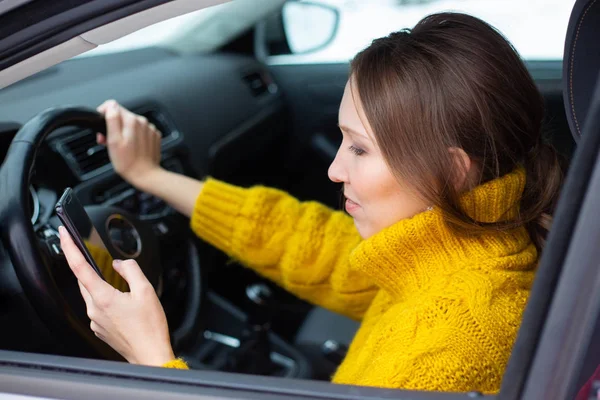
pixel 79 225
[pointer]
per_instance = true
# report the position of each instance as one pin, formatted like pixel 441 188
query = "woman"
pixel 446 181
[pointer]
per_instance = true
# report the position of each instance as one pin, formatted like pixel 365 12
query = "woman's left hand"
pixel 133 323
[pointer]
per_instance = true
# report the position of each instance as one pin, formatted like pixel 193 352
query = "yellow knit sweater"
pixel 104 262
pixel 439 311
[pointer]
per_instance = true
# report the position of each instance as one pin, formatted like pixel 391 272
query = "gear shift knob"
pixel 260 302
pixel 259 294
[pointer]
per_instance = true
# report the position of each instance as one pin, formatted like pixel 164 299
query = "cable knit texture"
pixel 439 310
pixel 178 363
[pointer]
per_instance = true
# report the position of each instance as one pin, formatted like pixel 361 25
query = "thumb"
pixel 133 274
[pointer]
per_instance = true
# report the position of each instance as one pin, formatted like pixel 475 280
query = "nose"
pixel 337 173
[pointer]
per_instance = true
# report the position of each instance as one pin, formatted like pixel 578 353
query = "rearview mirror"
pixel 309 26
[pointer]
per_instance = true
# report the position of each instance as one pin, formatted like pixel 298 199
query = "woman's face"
pixel 374 197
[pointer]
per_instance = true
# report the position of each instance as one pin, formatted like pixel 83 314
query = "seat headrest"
pixel 581 62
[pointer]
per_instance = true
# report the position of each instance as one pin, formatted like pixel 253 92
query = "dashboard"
pixel 219 115
pixel 72 158
pixel 212 100
pixel 199 113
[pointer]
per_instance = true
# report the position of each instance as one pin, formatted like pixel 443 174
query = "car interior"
pixel 228 114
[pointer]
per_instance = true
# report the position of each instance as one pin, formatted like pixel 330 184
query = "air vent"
pixel 86 158
pixel 161 122
pixel 259 83
pixel 83 153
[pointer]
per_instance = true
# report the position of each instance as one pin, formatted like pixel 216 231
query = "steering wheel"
pixel 38 273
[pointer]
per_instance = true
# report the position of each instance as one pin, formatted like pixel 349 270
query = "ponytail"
pixel 544 177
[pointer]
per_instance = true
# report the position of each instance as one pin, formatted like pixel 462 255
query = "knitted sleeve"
pixel 177 363
pixel 303 247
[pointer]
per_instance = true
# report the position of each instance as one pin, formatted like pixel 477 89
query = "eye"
pixel 356 150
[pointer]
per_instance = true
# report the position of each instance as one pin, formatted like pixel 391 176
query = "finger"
pixel 98 330
pixel 114 126
pixel 100 139
pixel 149 140
pixel 133 274
pixel 130 124
pixel 101 336
pixel 156 135
pixel 97 327
pixel 130 115
pixel 94 326
pixel 157 146
pixel 104 106
pixel 83 271
pixel 87 298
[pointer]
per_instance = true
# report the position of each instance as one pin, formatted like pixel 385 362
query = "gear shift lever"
pixel 261 309
pixel 254 354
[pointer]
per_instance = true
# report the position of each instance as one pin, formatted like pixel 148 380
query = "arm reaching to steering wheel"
pixel 264 229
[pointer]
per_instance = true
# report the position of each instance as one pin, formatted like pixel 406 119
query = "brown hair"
pixel 454 81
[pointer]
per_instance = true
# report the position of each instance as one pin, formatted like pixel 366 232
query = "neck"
pixel 412 253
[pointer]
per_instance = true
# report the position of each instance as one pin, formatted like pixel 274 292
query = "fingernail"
pixel 117 262
pixel 61 230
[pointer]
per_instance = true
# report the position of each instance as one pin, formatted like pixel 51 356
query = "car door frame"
pixel 557 352
pixel 67 377
pixel 552 370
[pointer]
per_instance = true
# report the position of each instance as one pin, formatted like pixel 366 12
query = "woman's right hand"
pixel 134 150
pixel 133 143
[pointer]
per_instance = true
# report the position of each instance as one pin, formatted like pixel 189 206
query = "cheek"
pixel 374 184
pixel 384 200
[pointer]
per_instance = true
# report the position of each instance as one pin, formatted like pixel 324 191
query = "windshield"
pixel 156 35
pixel 537 28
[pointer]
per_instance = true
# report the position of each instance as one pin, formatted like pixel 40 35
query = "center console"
pixel 235 341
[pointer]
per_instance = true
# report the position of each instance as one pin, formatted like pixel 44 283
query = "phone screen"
pixel 86 237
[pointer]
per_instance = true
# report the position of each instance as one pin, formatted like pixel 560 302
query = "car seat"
pixel 581 67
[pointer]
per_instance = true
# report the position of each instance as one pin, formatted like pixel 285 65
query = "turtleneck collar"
pixel 409 255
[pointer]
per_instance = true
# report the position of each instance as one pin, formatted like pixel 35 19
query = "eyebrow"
pixel 352 131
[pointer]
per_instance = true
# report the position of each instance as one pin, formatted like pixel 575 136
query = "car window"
pixel 201 31
pixel 537 28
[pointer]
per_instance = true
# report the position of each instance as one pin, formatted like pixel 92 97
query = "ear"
pixel 463 168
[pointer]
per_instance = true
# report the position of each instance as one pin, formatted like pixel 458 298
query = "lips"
pixel 351 205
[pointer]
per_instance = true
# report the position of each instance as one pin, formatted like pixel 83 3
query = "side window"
pixel 536 28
